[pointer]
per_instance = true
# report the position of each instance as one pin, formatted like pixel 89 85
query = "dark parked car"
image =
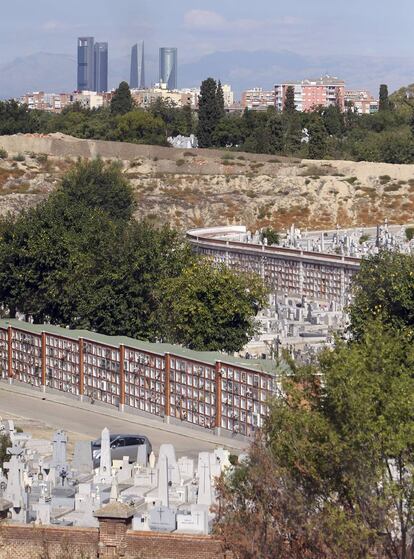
pixel 121 445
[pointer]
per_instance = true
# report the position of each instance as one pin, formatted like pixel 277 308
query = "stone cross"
pixel 205 492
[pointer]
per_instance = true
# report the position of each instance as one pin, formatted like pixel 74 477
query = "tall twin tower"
pixel 168 67
pixel 93 66
pixel 137 77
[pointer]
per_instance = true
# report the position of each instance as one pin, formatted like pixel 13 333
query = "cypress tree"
pixel 292 126
pixel 122 101
pixel 289 105
pixel 208 115
pixel 275 133
pixel 384 102
pixel 317 138
pixel 220 100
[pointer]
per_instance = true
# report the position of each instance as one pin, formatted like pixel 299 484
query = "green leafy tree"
pixel 211 308
pixel 340 434
pixel 271 235
pixel 384 288
pixel 122 102
pixel 317 138
pixel 141 127
pixel 208 113
pixel 289 102
pixel 384 102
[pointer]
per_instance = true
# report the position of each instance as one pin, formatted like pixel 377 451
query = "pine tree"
pixel 220 100
pixel 289 105
pixel 208 115
pixel 384 102
pixel 317 138
pixel 122 101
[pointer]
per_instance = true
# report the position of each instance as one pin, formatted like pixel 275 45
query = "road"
pixel 83 421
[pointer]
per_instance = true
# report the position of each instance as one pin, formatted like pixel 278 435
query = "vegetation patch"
pixel 384 179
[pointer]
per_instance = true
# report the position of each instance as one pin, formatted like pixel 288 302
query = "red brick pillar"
pixel 44 360
pixel 218 395
pixel 10 352
pixel 81 369
pixel 122 377
pixel 167 410
pixel 114 520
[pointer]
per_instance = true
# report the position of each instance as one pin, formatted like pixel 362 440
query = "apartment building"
pixel 362 101
pixel 309 94
pixel 180 97
pixel 258 99
pixel 51 102
pixel 208 390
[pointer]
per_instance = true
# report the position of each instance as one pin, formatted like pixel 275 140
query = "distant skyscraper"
pixel 168 67
pixel 86 73
pixel 101 67
pixel 137 78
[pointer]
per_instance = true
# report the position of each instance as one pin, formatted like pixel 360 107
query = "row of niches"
pixel 186 392
pixel 144 392
pixel 196 382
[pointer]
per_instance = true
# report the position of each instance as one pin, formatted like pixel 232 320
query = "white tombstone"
pixel 142 455
pixel 104 474
pixel 163 486
pixel 59 443
pixel 194 523
pixel 152 460
pixel 205 490
pixel 113 498
pixel 168 451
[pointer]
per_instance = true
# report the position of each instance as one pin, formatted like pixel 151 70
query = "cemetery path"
pixel 41 414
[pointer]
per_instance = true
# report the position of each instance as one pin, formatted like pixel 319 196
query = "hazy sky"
pixel 370 27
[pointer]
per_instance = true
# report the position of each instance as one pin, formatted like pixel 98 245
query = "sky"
pixel 317 27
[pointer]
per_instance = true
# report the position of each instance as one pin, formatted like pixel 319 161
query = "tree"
pixel 261 513
pixel 317 138
pixel 292 132
pixel 208 113
pixel 384 102
pixel 340 434
pixel 220 100
pixel 271 235
pixel 211 308
pixel 141 127
pixel 384 288
pixel 275 133
pixel 289 103
pixel 122 102
pixel 97 185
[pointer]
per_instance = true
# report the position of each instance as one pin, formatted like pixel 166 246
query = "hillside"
pixel 206 187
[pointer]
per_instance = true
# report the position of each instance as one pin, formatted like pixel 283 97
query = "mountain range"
pixel 242 69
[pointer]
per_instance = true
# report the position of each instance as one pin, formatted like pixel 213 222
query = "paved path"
pixel 87 421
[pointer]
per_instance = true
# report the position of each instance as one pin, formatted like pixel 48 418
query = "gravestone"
pixel 82 458
pixel 142 455
pixel 194 523
pixel 162 519
pixel 59 443
pixel 205 490
pixel 168 451
pixel 104 474
pixel 163 485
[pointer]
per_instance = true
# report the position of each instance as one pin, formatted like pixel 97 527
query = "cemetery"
pixel 39 485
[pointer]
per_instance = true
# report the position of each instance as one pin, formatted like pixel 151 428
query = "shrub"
pixel 3 154
pixel 351 180
pixel 409 233
pixel 189 154
pixel 180 162
pixel 19 157
pixel 384 179
pixel 41 158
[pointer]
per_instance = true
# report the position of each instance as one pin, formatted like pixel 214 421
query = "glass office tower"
pixel 168 67
pixel 86 64
pixel 137 77
pixel 101 67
